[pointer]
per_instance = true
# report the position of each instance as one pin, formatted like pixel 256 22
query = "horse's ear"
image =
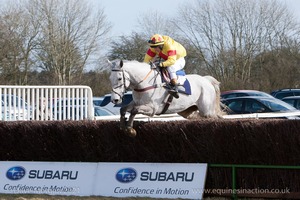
pixel 121 63
pixel 111 64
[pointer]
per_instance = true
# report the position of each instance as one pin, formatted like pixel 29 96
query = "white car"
pixel 14 108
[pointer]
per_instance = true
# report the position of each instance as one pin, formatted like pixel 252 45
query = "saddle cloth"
pixel 183 83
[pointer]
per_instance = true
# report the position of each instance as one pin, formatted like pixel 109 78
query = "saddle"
pixel 184 86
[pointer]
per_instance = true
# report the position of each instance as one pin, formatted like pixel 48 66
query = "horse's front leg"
pixel 136 110
pixel 129 127
pixel 122 119
pixel 123 111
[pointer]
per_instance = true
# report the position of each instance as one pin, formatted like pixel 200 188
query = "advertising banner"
pixel 53 178
pixel 155 180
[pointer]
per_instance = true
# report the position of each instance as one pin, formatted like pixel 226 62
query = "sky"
pixel 123 14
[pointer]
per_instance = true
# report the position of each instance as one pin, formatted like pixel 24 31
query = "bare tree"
pixel 131 47
pixel 71 33
pixel 229 34
pixel 9 53
pixel 155 22
pixel 18 35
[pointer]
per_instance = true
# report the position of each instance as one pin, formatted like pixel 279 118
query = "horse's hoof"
pixel 123 127
pixel 131 132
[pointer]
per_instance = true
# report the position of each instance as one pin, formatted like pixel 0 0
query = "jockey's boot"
pixel 174 88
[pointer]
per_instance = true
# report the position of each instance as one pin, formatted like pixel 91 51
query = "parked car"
pixel 115 108
pixel 102 111
pixel 68 107
pixel 97 101
pixel 14 108
pixel 293 101
pixel 280 94
pixel 241 93
pixel 256 104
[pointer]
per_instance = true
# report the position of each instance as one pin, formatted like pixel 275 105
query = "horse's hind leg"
pixel 207 107
pixel 194 113
pixel 190 113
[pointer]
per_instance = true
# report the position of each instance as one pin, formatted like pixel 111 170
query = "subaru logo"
pixel 15 173
pixel 126 175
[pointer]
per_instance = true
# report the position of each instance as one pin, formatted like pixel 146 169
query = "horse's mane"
pixel 117 61
pixel 135 63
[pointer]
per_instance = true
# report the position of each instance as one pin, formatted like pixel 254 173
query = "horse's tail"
pixel 216 85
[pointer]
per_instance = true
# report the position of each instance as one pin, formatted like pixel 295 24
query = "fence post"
pixel 233 171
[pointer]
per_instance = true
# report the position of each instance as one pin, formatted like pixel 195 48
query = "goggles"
pixel 151 42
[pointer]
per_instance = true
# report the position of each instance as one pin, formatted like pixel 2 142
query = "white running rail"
pixel 46 102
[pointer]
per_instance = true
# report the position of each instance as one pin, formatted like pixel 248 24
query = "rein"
pixel 149 87
pixel 147 75
pixel 136 89
pixel 146 88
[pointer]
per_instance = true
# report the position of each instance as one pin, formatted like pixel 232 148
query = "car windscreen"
pixel 277 106
pixel 127 98
pixel 101 112
pixel 105 101
pixel 284 94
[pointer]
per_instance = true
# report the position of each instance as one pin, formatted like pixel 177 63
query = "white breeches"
pixel 178 65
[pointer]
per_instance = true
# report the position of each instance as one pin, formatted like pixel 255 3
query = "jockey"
pixel 173 54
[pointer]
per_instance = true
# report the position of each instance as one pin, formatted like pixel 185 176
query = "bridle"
pixel 123 84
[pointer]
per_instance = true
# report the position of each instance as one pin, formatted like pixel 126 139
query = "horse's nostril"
pixel 115 100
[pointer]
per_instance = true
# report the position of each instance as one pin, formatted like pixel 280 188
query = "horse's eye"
pixel 119 79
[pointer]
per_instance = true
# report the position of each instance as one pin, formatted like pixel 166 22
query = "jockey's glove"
pixel 161 64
